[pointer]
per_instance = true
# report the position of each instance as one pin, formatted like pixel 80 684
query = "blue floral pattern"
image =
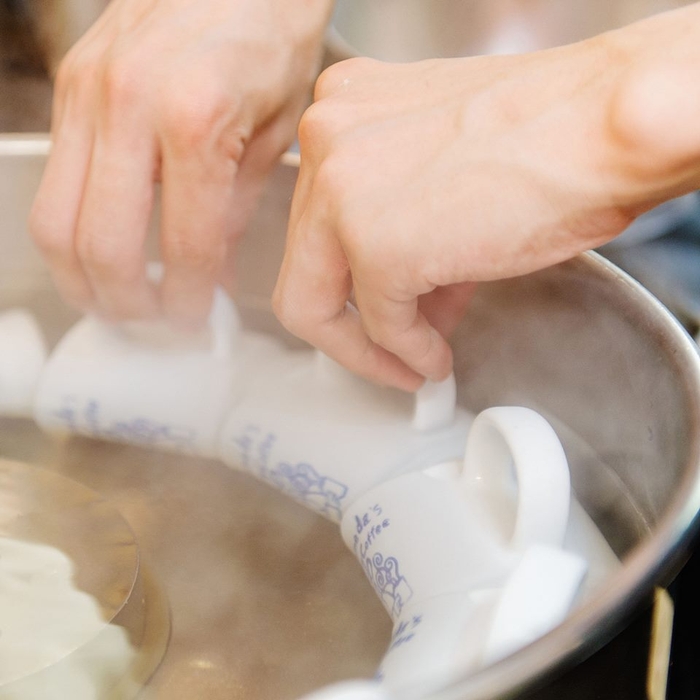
pixel 390 585
pixel 303 482
pixel 299 480
pixel 87 419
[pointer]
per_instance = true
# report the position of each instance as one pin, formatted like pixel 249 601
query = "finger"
pixel 261 157
pixel 343 337
pixel 445 307
pixel 56 207
pixel 300 198
pixel 397 325
pixel 196 219
pixel 313 135
pixel 114 219
pixel 311 300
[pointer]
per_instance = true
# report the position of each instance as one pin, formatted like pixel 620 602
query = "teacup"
pixel 144 383
pixel 458 633
pixel 442 637
pixel 469 562
pixel 416 538
pixel 419 536
pixel 23 354
pixel 325 436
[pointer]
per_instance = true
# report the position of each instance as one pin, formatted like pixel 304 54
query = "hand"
pixel 418 180
pixel 203 95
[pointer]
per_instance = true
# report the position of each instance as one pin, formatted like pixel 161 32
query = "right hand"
pixel 418 180
pixel 203 95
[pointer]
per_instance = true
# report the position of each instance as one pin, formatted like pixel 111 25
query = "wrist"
pixel 654 114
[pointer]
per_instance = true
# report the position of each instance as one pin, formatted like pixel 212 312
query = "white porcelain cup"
pixel 516 475
pixel 416 538
pixel 144 383
pixel 469 562
pixel 324 436
pixel 454 634
pixel 23 354
pixel 431 639
pixel 419 536
pixel 438 639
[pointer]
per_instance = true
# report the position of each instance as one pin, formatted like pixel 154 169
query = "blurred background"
pixel 25 88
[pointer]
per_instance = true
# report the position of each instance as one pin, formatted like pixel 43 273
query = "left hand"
pixel 199 95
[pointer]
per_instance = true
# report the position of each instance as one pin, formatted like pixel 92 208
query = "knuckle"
pixel 360 65
pixel 77 75
pixel 122 82
pixel 315 126
pixel 338 75
pixel 195 114
pixel 329 80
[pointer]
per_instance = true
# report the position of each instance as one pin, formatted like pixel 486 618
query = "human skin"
pixel 200 95
pixel 416 181
pixel 419 180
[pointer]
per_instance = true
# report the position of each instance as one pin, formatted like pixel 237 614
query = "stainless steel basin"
pixel 408 30
pixel 266 603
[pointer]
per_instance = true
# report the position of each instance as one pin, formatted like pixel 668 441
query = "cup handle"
pixel 511 443
pixel 223 325
pixel 435 405
pixel 224 322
